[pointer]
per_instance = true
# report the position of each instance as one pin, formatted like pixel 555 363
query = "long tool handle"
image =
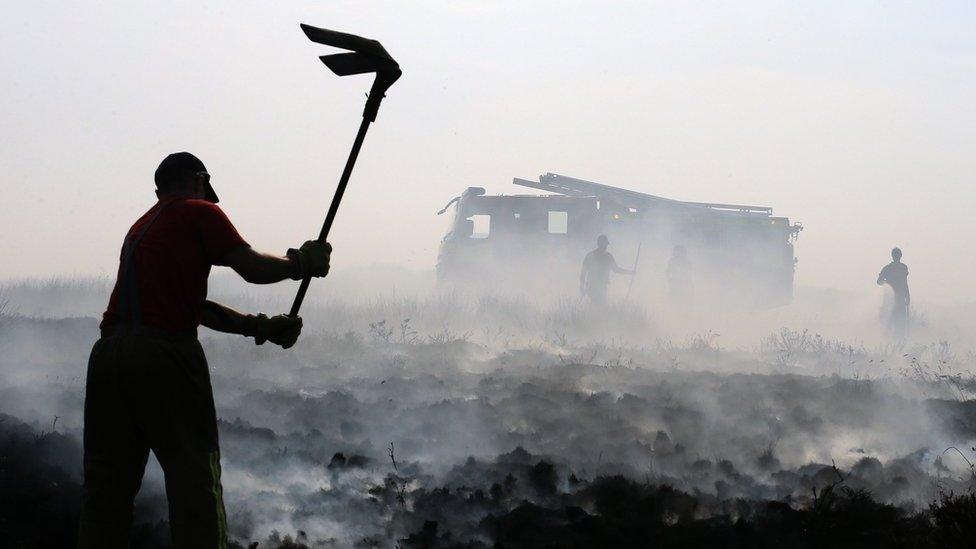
pixel 633 275
pixel 330 217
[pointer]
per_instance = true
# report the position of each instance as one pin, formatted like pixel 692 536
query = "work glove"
pixel 279 329
pixel 311 260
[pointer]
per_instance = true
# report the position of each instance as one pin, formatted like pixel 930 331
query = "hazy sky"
pixel 858 119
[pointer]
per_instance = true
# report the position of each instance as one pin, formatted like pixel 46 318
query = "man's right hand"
pixel 279 329
pixel 311 260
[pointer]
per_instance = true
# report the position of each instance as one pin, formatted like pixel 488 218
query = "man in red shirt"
pixel 148 385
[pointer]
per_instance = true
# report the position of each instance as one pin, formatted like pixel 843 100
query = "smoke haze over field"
pixel 421 410
pixel 493 402
pixel 856 120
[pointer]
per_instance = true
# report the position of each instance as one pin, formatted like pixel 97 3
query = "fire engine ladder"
pixel 570 186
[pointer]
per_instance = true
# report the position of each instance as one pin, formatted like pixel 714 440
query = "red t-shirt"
pixel 172 263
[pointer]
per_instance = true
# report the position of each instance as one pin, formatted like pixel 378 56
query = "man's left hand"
pixel 279 329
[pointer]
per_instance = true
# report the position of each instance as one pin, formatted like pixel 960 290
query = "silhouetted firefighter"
pixel 148 385
pixel 595 274
pixel 895 275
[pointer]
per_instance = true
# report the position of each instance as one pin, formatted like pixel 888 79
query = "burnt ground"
pixel 417 433
pixel 518 500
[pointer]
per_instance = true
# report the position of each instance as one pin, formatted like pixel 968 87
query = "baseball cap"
pixel 175 165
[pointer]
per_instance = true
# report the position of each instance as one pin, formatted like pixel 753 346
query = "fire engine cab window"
pixel 480 226
pixel 558 222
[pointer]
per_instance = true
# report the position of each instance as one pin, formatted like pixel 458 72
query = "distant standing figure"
pixel 895 274
pixel 680 289
pixel 595 275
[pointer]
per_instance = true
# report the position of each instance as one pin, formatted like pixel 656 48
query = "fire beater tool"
pixel 364 56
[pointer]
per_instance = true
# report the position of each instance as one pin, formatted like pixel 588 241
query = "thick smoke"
pixel 397 411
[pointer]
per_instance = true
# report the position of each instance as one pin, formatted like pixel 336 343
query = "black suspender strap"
pixel 129 289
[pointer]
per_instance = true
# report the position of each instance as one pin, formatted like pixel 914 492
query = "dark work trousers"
pixel 597 294
pixel 148 390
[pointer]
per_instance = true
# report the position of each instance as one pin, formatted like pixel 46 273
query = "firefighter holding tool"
pixel 595 273
pixel 148 385
pixel 895 276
